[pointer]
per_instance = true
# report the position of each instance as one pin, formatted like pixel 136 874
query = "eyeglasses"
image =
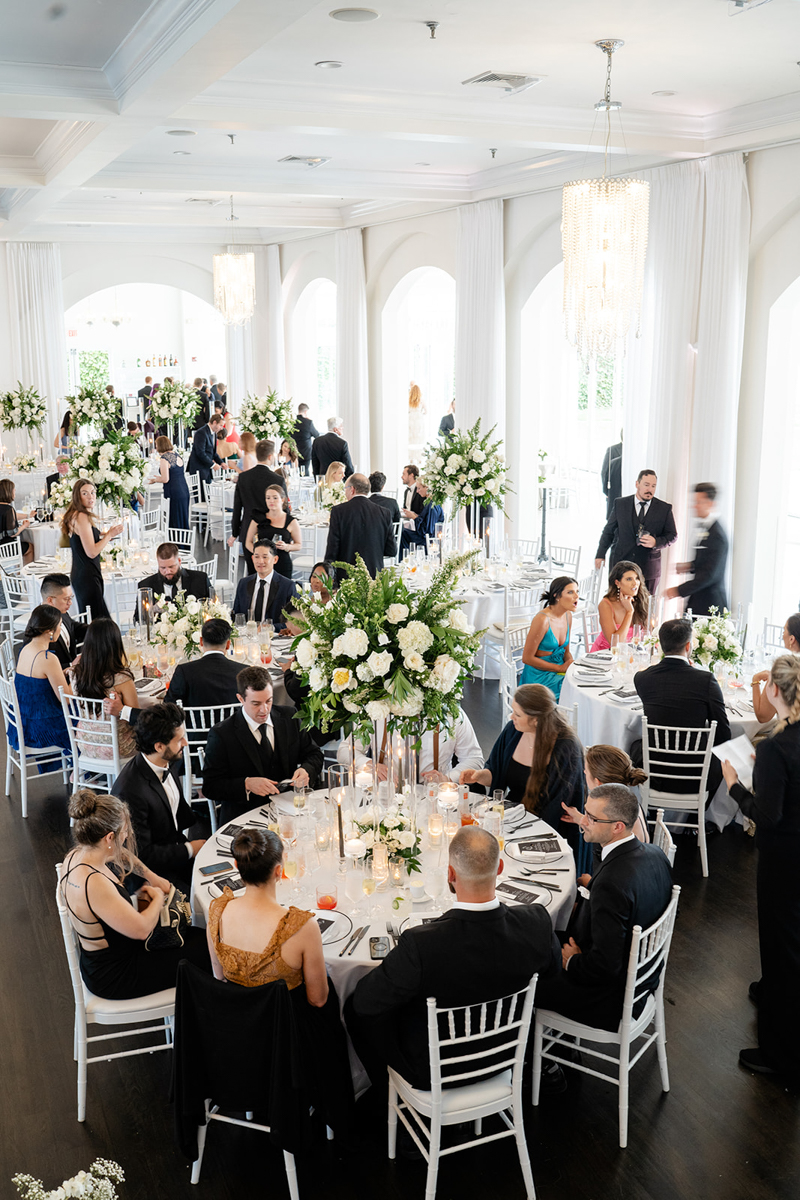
pixel 598 820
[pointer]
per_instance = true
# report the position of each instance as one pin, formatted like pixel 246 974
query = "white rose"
pixel 379 664
pixel 462 478
pixel 368 837
pixel 414 661
pixel 710 642
pixel 391 821
pixel 306 654
pixel 316 679
pixel 406 839
pixel 377 710
pixel 196 636
pixel 473 474
pixel 395 613
pixel 493 486
pixel 478 456
pixel 439 461
pixel 444 674
pixel 364 673
pixel 352 644
pixel 459 622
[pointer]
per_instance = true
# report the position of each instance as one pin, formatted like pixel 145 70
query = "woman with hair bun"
pixel 774 806
pixel 791 639
pixel 608 764
pixel 546 654
pixel 115 962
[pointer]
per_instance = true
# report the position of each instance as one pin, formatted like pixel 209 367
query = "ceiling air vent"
pixel 299 158
pixel 511 84
pixel 200 200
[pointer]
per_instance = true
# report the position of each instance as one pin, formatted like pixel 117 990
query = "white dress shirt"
pixel 256 588
pixel 483 906
pixel 639 504
pixel 613 845
pixel 169 785
pixel 459 742
pixel 255 728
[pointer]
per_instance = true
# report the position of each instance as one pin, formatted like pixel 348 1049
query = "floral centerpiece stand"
pixel 175 405
pixel 469 470
pixel 23 409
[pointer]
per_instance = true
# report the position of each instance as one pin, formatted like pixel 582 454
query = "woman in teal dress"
pixel 546 655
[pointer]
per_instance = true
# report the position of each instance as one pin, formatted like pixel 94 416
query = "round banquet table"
pixel 603 721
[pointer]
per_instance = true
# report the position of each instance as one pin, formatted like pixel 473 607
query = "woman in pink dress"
pixel 625 604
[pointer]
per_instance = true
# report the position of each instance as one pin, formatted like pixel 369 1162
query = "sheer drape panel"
pixel 352 376
pixel 480 317
pixel 36 308
pixel 256 354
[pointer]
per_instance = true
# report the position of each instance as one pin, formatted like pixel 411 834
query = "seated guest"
pixel 674 692
pixel 413 503
pixel 479 950
pixel 149 786
pixel 172 578
pixel 424 525
pixel 37 679
pixel 322 581
pixel 11 528
pixel 211 679
pixel 62 466
pixel 279 527
pixel 57 591
pixel 607 764
pixel 254 751
pixel 377 482
pixel 263 596
pixel 438 748
pixel 102 669
pixel 626 604
pixel 632 885
pixel 546 653
pixel 762 708
pixel 334 474
pixel 115 963
pixel 537 761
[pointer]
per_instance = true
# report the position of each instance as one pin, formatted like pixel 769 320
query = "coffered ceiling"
pixel 91 92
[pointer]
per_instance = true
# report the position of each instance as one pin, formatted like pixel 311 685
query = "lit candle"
pixel 364 779
pixel 435 826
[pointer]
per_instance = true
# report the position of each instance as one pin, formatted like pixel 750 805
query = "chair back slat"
pixel 648 956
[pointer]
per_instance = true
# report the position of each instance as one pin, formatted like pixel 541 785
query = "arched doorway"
pixel 312 350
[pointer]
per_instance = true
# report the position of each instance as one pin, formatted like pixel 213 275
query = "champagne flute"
pixel 369 885
pixel 354 883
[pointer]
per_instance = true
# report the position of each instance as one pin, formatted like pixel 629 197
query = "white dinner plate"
pixel 512 850
pixel 340 926
pixel 419 919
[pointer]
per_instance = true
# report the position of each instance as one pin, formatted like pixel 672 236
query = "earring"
pixel 619 592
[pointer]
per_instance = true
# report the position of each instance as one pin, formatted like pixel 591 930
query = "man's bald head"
pixel 358 483
pixel 474 857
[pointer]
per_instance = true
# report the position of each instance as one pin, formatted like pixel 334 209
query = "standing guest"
pixel 304 433
pixel 413 503
pixel 146 392
pixel 424 525
pixel 11 528
pixel 231 433
pixel 791 639
pixel 334 474
pixel 204 411
pixel 546 653
pixel 416 416
pixel 37 679
pixel 213 386
pixel 706 589
pixel 220 396
pixel 639 528
pixel 774 805
pixel 56 591
pixel 87 544
pixel 358 528
pixel 278 527
pixel 211 679
pixel 62 466
pixel 377 482
pixel 66 431
pixel 176 489
pixel 171 577
pixel 102 670
pixel 322 581
pixel 611 476
pixel 448 422
pixel 149 785
pixel 247 451
pixel 204 451
pixel 249 497
pixel 331 447
pixel 626 604
pixel 228 451
pixel 265 594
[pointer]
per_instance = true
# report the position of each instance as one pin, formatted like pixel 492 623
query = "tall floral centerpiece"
pixel 23 409
pixel 175 404
pixel 93 406
pixel 714 640
pixel 98 1183
pixel 268 417
pixel 115 466
pixel 469 469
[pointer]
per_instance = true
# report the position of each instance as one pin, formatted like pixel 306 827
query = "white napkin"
pixel 599 677
pixel 623 695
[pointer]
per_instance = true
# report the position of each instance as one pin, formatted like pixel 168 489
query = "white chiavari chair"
pixel 565 559
pixel 26 758
pixel 678 755
pixel 198 722
pixel 94 738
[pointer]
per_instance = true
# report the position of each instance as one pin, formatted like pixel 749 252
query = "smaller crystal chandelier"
pixel 235 283
pixel 604 240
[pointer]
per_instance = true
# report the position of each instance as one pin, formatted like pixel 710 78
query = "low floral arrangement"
pixel 331 494
pixel 174 401
pixel 470 468
pixel 177 623
pixel 380 652
pixel 24 462
pixel 114 554
pixel 396 832
pixel 115 466
pixel 98 1183
pixel 268 417
pixel 23 409
pixel 93 406
pixel 714 640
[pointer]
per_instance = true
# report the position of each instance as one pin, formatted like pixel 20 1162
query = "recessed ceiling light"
pixel 663 93
pixel 354 14
pixel 181 133
pixel 183 153
pixel 328 64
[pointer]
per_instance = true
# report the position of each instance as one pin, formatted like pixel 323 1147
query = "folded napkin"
pixel 624 695
pixel 597 656
pixel 597 677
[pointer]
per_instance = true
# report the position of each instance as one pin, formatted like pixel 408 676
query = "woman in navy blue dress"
pixel 176 489
pixel 37 680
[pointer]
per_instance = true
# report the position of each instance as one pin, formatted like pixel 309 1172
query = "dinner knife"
pixel 358 939
pixel 350 940
pixel 551 887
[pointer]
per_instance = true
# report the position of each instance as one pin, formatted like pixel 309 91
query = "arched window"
pixel 313 350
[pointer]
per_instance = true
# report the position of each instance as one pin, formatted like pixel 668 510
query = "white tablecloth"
pixel 46 538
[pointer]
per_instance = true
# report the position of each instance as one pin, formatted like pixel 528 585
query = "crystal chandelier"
pixel 604 240
pixel 235 283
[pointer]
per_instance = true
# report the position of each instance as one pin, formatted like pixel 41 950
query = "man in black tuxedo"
pixel 147 391
pixel 639 528
pixel 304 433
pixel 479 950
pixel 149 785
pixel 448 422
pixel 204 451
pixel 359 527
pixel 172 578
pixel 632 885
pixel 249 497
pixel 62 466
pixel 611 476
pixel 377 482
pixel 676 693
pixel 331 447
pixel 250 754
pixel 209 680
pixel 413 503
pixel 266 592
pixel 57 591
pixel 706 589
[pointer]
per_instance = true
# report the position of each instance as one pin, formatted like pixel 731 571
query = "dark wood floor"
pixel 720 1132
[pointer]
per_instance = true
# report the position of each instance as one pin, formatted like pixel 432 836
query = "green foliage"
pixel 93 369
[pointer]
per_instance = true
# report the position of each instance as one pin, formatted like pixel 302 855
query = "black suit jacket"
pixel 208 681
pixel 413 501
pixel 358 527
pixel 249 502
pixel 706 588
pixel 389 503
pixel 611 476
pixel 76 631
pixel 50 480
pixel 281 592
pixel 204 453
pixel 631 886
pixel 328 449
pixel 304 432
pixel 463 958
pixel 447 425
pixel 621 533
pixel 160 842
pixel 145 393
pixel 232 755
pixel 194 583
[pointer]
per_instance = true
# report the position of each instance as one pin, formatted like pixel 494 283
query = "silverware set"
pixel 355 938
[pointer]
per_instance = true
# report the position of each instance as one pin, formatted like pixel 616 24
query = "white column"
pixel 352 377
pixel 36 312
pixel 480 317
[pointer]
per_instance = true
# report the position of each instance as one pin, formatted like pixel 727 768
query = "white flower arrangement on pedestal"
pixel 93 406
pixel 468 469
pixel 23 409
pixel 267 417
pixel 98 1183
pixel 174 401
pixel 24 462
pixel 331 494
pixel 114 465
pixel 177 623
pixel 714 640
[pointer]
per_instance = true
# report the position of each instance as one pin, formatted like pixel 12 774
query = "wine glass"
pixel 287 829
pixel 299 797
pixel 369 884
pixel 354 883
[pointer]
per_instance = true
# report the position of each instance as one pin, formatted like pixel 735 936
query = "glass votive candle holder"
pixel 435 827
pixel 397 872
pixel 322 835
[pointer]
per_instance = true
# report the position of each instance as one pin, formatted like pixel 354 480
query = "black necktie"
pixel 642 509
pixel 260 603
pixel 265 751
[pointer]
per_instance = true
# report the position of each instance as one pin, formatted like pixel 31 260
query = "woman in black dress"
pixel 87 544
pixel 774 806
pixel 279 527
pixel 10 525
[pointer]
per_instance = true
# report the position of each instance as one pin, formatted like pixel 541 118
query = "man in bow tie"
pixel 706 589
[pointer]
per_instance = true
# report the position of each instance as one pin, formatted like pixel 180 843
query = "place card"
pixel 518 894
pixel 546 845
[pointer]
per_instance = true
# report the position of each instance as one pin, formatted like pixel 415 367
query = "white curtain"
pixel 352 376
pixel 480 317
pixel 256 355
pixel 36 310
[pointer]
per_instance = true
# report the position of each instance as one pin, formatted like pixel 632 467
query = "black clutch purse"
pixel 174 919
